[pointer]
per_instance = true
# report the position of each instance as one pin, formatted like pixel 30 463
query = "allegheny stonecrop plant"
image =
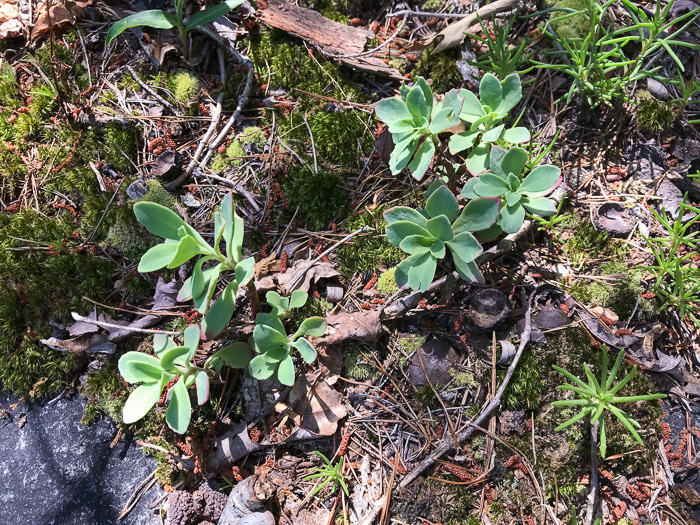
pixel 596 398
pixel 485 116
pixel 159 19
pixel 426 234
pixel 517 195
pixel 182 243
pixel 274 346
pixel 415 120
pixel 174 362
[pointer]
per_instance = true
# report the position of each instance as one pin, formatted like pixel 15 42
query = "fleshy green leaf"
pixel 403 213
pixel 397 231
pixel 201 379
pixel 262 366
pixel 490 185
pixel 495 159
pixel 191 339
pixel 306 350
pixel 490 91
pixel 477 215
pixel 472 109
pixel 168 359
pixel 416 244
pixel 468 190
pixel 440 227
pixel 154 18
pixel 218 316
pixel 236 355
pixel 539 206
pixel 465 246
pixel 478 159
pixel 442 202
pixel 461 141
pixel 298 299
pixel 313 327
pixel 517 135
pixel 157 257
pixel 285 372
pixel 492 134
pixel 541 181
pixel 399 159
pixel 186 249
pixel 421 271
pixel 512 198
pixel 244 271
pixel 137 367
pixel 514 161
pixel 468 271
pixel 512 93
pixel 454 101
pixel 211 278
pixel 417 105
pixel 158 219
pixel 162 343
pixel 392 109
pixel 441 121
pixel 140 401
pixel 511 218
pixel 427 94
pixel 271 321
pixel 402 126
pixel 279 304
pixel 267 337
pixel 211 14
pixel 421 161
pixel 178 413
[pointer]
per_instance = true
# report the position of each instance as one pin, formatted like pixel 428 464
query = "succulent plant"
pixel 414 122
pixel 274 346
pixel 282 306
pixel 485 114
pixel 182 243
pixel 504 182
pixel 174 362
pixel 425 234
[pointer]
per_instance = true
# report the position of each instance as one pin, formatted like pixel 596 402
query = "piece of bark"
pixel 247 498
pixel 335 38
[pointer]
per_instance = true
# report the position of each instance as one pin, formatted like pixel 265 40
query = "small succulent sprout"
pixel 274 346
pixel 503 181
pixel 282 306
pixel 485 115
pixel 173 361
pixel 426 234
pixel 414 122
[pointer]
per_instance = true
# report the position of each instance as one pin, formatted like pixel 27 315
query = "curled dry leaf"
pixel 11 19
pixel 318 404
pixel 61 12
pixel 230 447
pixel 358 326
pixel 282 281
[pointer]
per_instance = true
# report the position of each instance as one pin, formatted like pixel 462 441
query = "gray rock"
pixel 56 470
pixel 657 89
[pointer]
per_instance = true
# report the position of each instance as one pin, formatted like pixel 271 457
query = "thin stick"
pixel 104 324
pixel 150 91
pixel 449 444
pixel 593 496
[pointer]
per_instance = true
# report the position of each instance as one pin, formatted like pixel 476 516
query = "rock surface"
pixel 55 470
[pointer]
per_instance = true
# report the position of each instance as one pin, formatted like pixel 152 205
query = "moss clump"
pixel 127 234
pixel 653 115
pixel 441 69
pixel 321 198
pixel 589 243
pixel 106 393
pixel 574 28
pixel 183 85
pixel 355 366
pixel 370 250
pixel 526 386
pixel 387 283
pixel 340 134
